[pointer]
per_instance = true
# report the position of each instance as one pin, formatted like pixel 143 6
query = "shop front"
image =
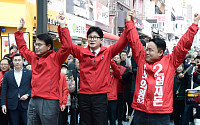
pixel 11 12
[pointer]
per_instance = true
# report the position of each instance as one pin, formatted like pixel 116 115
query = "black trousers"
pixel 112 111
pixel 178 110
pixel 63 117
pixel 3 118
pixel 142 118
pixel 74 110
pixel 18 116
pixel 93 109
pixel 120 107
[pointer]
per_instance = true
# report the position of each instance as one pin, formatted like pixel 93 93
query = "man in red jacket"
pixel 64 92
pixel 46 65
pixel 94 75
pixel 153 97
pixel 112 94
pixel 120 91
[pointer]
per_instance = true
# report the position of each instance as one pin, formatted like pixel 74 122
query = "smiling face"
pixel 117 59
pixel 94 40
pixel 152 52
pixel 180 68
pixel 5 65
pixel 123 56
pixel 40 47
pixel 197 61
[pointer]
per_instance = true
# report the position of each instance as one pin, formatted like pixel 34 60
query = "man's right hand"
pixel 4 110
pixel 196 18
pixel 21 25
pixel 61 19
pixel 62 108
pixel 130 15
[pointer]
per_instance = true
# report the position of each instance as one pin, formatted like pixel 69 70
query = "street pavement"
pixel 196 121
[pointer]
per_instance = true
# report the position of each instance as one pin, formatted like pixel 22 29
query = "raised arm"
pixel 21 43
pixel 65 38
pixel 116 70
pixel 122 42
pixel 133 38
pixel 185 43
pixel 65 91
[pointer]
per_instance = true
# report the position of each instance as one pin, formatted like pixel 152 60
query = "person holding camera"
pixel 182 81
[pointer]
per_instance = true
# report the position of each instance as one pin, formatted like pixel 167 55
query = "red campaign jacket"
pixel 154 82
pixel 95 71
pixel 114 79
pixel 63 90
pixel 45 69
pixel 121 86
pixel 1 77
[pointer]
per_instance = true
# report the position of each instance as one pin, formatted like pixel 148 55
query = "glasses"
pixel 93 38
pixel 38 44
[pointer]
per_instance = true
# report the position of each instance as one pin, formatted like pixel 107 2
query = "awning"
pixel 111 36
pixel 53 34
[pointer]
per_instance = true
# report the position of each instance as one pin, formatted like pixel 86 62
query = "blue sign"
pixel 3 29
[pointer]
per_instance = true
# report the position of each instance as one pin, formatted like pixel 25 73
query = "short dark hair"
pixel 17 54
pixel 8 56
pixel 160 43
pixel 95 29
pixel 46 38
pixel 9 62
pixel 123 51
pixel 143 42
pixel 13 47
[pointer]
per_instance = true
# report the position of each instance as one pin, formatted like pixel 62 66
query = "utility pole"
pixel 41 16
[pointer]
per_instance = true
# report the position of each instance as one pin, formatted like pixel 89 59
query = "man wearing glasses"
pixel 46 65
pixel 94 75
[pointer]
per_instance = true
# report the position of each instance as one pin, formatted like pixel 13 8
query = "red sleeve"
pixel 120 45
pixel 184 45
pixel 75 50
pixel 66 41
pixel 195 73
pixel 122 70
pixel 21 44
pixel 1 78
pixel 65 91
pixel 116 70
pixel 138 51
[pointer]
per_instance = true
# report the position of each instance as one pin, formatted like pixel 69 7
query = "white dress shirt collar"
pixel 18 76
pixel 96 51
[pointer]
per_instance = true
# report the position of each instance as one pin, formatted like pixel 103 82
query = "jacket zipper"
pixel 38 61
pixel 50 87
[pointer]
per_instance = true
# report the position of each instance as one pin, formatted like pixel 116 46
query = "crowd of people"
pixel 100 85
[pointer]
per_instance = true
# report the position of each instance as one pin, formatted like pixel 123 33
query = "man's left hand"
pixel 24 97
